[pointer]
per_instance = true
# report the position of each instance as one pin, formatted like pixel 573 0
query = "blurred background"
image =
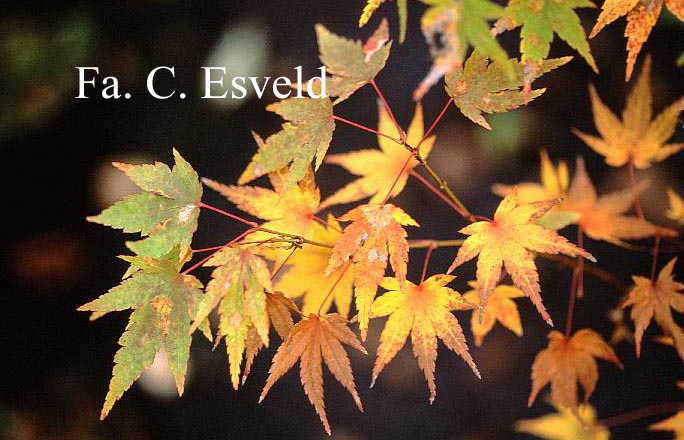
pixel 58 151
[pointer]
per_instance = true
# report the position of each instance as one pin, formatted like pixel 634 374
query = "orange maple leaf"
pixel 375 236
pixel 566 361
pixel 379 168
pixel 424 311
pixel 500 307
pixel 278 308
pixel 303 274
pixel 653 300
pixel 602 218
pixel 510 239
pixel 312 340
pixel 674 424
pixel 636 138
pixel 641 17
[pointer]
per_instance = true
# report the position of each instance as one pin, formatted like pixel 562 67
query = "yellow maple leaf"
pixel 564 425
pixel 653 300
pixel 566 361
pixel 510 240
pixel 602 218
pixel 500 307
pixel 314 340
pixel 676 211
pixel 374 237
pixel 554 184
pixel 641 17
pixel 675 424
pixel 285 210
pixel 636 138
pixel 303 275
pixel 379 168
pixel 424 312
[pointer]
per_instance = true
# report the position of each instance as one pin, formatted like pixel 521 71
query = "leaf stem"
pixel 402 134
pixel 205 259
pixel 452 200
pixel 332 288
pixel 428 254
pixel 434 123
pixel 654 264
pixel 228 214
pixel 422 244
pixel 363 127
pixel 576 285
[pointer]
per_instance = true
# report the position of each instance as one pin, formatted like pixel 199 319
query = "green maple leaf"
pixel 163 301
pixel 540 19
pixel 351 63
pixel 483 86
pixel 165 211
pixel 304 137
pixel 238 288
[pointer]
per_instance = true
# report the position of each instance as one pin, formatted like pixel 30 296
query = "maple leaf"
pixel 539 20
pixel 653 300
pixel 674 424
pixel 350 64
pixel 554 184
pixel 564 425
pixel 641 17
pixel 566 361
pixel 375 236
pixel 480 86
pixel 500 307
pixel 676 211
pixel 312 340
pixel 278 308
pixel 602 218
pixel 510 240
pixel 287 209
pixel 165 211
pixel 449 27
pixel 424 312
pixel 379 168
pixel 238 288
pixel 303 138
pixel 163 302
pixel 636 138
pixel 303 274
pixel 373 5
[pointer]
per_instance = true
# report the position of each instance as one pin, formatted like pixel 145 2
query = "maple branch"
pixel 446 194
pixel 576 285
pixel 631 416
pixel 422 244
pixel 332 288
pixel 402 134
pixel 591 269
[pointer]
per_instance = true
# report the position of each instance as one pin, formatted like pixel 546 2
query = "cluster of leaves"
pixel 311 276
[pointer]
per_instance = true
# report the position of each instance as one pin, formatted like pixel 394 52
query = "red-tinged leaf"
pixel 510 240
pixel 374 237
pixel 312 340
pixel 424 312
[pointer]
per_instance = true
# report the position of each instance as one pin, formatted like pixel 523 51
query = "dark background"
pixel 56 154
